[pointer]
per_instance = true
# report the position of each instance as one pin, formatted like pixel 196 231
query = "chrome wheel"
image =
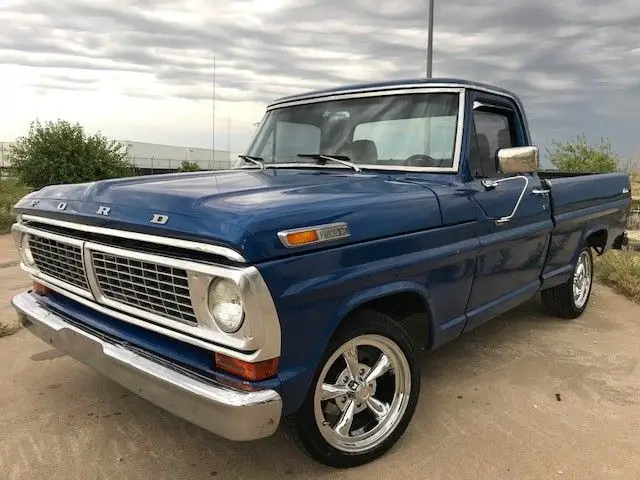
pixel 362 393
pixel 582 279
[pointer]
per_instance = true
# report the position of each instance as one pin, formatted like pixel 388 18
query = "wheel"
pixel 363 395
pixel 570 299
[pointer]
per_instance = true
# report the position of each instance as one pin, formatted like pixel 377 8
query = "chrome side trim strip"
pixel 143 237
pixel 225 411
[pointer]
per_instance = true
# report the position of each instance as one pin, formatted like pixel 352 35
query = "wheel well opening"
pixel 598 240
pixel 409 310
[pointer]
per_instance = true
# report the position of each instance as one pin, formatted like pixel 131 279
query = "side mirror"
pixel 518 159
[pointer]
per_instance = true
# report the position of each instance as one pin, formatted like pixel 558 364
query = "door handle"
pixel 540 191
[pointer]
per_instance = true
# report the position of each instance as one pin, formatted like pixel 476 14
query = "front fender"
pixel 314 292
pixel 297 373
pixel 401 286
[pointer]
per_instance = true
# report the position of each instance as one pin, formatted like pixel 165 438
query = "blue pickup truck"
pixel 364 223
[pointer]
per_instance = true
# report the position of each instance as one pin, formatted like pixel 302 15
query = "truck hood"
pixel 245 209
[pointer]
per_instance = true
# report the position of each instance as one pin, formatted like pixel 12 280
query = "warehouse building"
pixel 152 158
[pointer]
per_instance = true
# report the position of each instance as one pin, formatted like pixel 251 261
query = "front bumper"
pixel 230 413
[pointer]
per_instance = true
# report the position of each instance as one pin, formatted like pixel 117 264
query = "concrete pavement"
pixel 522 397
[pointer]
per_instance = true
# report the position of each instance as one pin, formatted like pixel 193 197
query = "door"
pixel 512 252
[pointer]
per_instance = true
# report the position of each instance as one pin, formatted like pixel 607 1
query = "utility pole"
pixel 430 40
pixel 213 116
pixel 229 139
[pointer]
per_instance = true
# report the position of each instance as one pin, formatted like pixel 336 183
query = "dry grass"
pixel 620 271
pixel 635 186
pixel 10 192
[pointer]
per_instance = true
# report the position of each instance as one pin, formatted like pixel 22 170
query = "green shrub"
pixel 579 156
pixel 61 152
pixel 188 166
pixel 10 192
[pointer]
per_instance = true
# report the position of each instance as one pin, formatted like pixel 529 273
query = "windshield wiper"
pixel 259 161
pixel 341 159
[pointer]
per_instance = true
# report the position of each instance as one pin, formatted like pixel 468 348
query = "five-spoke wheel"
pixel 364 393
pixel 582 279
pixel 569 299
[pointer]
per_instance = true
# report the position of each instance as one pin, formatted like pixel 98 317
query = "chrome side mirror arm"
pixel 492 184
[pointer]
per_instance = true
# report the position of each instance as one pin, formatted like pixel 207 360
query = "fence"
pixel 146 165
pixel 153 165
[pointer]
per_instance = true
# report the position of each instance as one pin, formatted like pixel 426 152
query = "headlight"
pixel 225 305
pixel 27 256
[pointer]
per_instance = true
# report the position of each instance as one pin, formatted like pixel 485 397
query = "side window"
pixel 493 131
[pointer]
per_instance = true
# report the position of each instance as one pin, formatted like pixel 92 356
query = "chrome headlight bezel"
pixel 25 251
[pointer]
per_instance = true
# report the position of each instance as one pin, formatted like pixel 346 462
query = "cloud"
pixel 567 60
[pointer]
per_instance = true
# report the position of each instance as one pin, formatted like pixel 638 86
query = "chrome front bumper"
pixel 234 414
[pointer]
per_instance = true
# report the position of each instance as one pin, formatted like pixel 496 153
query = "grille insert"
pixel 59 260
pixel 151 287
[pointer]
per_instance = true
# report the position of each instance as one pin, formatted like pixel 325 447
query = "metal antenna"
pixel 430 40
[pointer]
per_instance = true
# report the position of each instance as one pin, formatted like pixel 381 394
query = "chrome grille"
pixel 59 260
pixel 148 286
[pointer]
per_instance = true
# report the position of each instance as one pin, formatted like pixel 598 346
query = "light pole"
pixel 430 40
pixel 213 116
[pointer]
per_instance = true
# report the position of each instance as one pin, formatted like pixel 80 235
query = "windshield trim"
pixel 457 150
pixel 361 166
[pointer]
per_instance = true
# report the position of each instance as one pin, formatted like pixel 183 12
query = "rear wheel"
pixel 570 299
pixel 364 393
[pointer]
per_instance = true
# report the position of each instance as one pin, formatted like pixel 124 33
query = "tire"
pixel 394 393
pixel 564 300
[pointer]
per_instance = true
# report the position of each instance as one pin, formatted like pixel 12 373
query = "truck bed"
pixel 576 191
pixel 583 206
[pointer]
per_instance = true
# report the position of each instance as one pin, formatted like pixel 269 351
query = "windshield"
pixel 417 130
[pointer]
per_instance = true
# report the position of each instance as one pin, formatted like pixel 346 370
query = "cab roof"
pixel 415 82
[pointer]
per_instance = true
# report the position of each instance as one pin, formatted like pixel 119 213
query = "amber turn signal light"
pixel 41 289
pixel 247 370
pixel 302 238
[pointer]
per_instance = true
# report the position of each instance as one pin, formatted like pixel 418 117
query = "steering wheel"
pixel 421 160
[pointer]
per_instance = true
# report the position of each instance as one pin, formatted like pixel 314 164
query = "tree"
pixel 188 166
pixel 579 156
pixel 61 152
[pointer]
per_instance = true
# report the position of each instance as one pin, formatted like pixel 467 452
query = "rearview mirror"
pixel 518 159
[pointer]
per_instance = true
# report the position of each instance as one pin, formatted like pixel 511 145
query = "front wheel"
pixel 364 393
pixel 570 299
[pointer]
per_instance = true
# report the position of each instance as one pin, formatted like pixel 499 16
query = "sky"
pixel 142 69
